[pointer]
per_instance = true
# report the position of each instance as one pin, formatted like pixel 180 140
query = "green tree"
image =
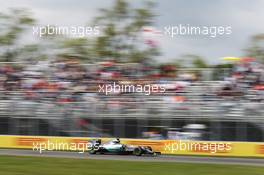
pixel 12 26
pixel 79 48
pixel 191 60
pixel 120 38
pixel 256 47
pixel 198 62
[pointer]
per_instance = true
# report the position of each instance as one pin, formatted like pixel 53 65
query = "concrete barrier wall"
pixel 177 147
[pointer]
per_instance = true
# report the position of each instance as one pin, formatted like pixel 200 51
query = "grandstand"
pixel 62 99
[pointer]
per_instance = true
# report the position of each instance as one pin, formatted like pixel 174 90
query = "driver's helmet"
pixel 116 141
pixel 99 141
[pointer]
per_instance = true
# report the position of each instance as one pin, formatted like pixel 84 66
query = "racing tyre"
pixel 92 152
pixel 137 151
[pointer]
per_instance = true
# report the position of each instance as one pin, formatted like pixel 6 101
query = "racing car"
pixel 115 147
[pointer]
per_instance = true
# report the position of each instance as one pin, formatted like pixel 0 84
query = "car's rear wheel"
pixel 92 152
pixel 137 151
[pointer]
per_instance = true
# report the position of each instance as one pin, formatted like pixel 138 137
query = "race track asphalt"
pixel 161 158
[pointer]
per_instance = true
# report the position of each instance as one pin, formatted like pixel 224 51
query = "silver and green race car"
pixel 116 147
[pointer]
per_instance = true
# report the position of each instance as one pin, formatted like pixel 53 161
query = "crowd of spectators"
pixel 69 88
pixel 64 81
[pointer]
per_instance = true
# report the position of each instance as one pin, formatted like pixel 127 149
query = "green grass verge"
pixel 11 165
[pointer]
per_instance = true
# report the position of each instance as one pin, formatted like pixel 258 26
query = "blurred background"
pixel 214 86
